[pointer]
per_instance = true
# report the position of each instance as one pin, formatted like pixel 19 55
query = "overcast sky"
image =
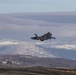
pixel 18 27
pixel 14 6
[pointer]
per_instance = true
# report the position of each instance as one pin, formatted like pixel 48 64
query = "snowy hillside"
pixel 41 49
pixel 25 48
pixel 62 49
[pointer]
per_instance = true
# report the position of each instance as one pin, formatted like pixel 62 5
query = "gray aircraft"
pixel 43 37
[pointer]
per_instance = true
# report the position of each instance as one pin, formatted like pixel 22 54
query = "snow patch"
pixel 66 46
pixel 8 42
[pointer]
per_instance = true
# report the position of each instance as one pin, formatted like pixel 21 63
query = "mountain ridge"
pixel 30 61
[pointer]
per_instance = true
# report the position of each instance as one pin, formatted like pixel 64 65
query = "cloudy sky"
pixel 14 6
pixel 20 26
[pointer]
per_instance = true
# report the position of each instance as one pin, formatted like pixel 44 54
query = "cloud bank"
pixel 23 26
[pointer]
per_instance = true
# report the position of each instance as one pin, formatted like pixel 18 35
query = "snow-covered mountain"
pixel 24 48
pixel 53 49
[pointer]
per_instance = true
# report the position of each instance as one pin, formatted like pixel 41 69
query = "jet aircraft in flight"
pixel 43 37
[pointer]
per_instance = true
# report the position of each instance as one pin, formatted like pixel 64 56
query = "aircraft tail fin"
pixel 36 35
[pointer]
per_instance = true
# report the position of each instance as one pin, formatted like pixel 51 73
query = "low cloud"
pixel 60 31
pixel 21 27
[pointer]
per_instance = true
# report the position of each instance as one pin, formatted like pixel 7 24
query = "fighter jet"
pixel 43 37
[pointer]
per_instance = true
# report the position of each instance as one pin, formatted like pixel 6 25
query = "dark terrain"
pixel 37 71
pixel 30 61
pixel 32 65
